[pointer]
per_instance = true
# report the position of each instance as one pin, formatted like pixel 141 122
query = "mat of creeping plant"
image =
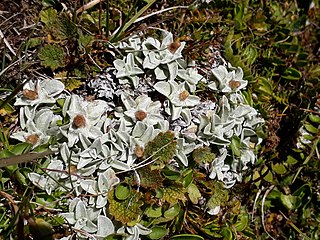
pixel 150 90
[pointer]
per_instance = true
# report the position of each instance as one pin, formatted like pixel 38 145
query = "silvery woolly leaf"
pixel 160 73
pixel 213 86
pixel 150 44
pixel 151 61
pixel 142 229
pixel 89 227
pixel 53 87
pixel 93 213
pixel 105 227
pixel 186 115
pixel 73 204
pixel 26 113
pixel 163 87
pixel 89 186
pixel 175 112
pixel 220 73
pixel 101 201
pixel 80 211
pixel 139 129
pixel 69 216
pixel 38 180
pixel 120 165
pixel 173 70
pixel 190 76
pixel 107 180
pixel 241 111
pixel 217 140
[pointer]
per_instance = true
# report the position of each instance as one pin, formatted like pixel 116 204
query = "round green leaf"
pixel 172 211
pixel 122 191
pixel 242 223
pixel 154 212
pixel 158 232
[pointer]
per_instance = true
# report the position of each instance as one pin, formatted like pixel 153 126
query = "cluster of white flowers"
pixel 155 91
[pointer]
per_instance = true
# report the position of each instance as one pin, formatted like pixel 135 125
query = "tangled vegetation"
pixel 124 119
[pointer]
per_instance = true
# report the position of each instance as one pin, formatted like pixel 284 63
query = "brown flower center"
pixel 79 121
pixel 30 94
pixel 184 95
pixel 234 84
pixel 140 115
pixel 32 139
pixel 172 47
pixel 139 151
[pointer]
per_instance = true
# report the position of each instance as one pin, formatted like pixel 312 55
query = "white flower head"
pixel 228 81
pixel 40 92
pixel 38 126
pixel 178 97
pixel 142 109
pixel 85 118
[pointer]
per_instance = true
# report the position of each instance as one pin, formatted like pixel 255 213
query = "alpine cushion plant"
pixel 103 146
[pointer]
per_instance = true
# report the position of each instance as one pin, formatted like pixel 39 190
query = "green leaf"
pixel 314 118
pixel 219 197
pixel 288 201
pixel 150 178
pixel 40 229
pixel 158 232
pixel 20 148
pixel 172 211
pixel 291 160
pixel 6 109
pixel 186 237
pixel 85 40
pixel 265 86
pixel 48 16
pixel 173 193
pixel 114 237
pixel 269 176
pixel 170 174
pixel 311 128
pixel 162 147
pixel 71 83
pixel 193 193
pixel 122 191
pixel 250 54
pixel 33 42
pixel 154 211
pixel 227 234
pixel 52 56
pixel 242 222
pixel 279 168
pixel 188 178
pixel 235 146
pixel 292 74
pixel 127 211
pixel 303 194
pixel 203 155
